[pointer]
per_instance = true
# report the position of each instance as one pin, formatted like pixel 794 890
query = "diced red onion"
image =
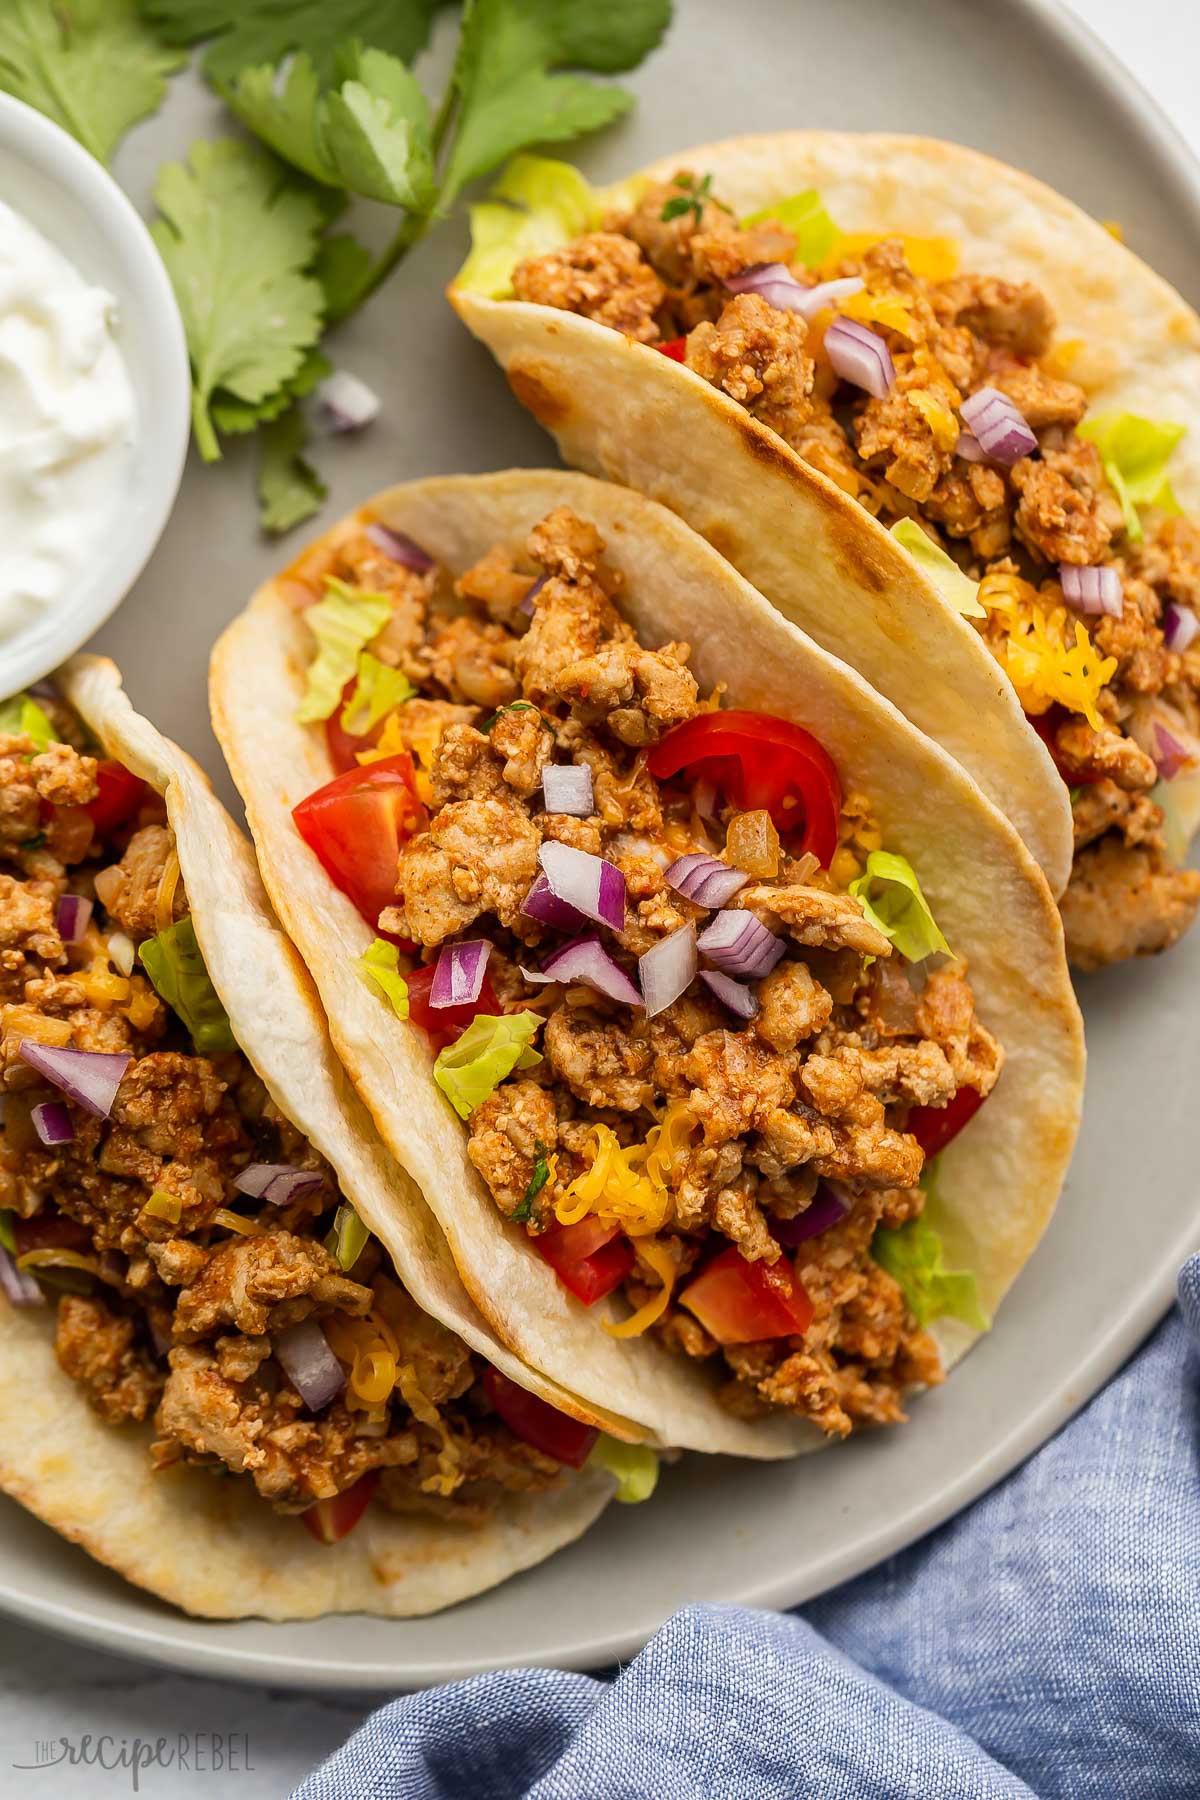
pixel 346 403
pixel 775 283
pixel 740 944
pixel 89 1077
pixel 459 974
pixel 18 1284
pixel 829 1204
pixel 1169 753
pixel 585 959
pixel 860 356
pixel 705 879
pixel 592 886
pixel 567 788
pixel 1000 426
pixel 543 904
pixel 310 1364
pixel 1180 626
pixel 52 1122
pixel 122 950
pixel 738 998
pixel 705 798
pixel 1092 588
pixel 666 970
pixel 969 447
pixel 400 548
pixel 71 917
pixel 526 605
pixel 276 1183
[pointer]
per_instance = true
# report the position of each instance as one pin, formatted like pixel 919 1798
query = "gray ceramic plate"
pixel 1023 82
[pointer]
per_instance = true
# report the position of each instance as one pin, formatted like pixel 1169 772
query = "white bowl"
pixel 73 201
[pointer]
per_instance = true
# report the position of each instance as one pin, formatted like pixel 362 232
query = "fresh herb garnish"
pixel 541 1175
pixel 513 706
pixel 696 195
pixel 33 843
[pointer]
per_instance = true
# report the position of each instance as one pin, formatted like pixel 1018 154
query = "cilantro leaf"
pixel 508 95
pixel 248 33
pixel 289 488
pixel 232 416
pixel 236 240
pixel 90 65
pixel 342 267
pixel 537 1181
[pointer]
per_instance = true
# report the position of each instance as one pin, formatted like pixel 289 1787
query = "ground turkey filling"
pixel 657 279
pixel 175 1321
pixel 512 676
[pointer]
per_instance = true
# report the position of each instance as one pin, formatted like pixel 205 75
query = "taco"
pixel 723 1023
pixel 209 1266
pixel 781 336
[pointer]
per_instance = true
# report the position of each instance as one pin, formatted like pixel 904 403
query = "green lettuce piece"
pixel 377 690
pixel 634 1465
pixel 381 965
pixel 343 623
pixel 491 1047
pixel 914 1256
pixel 816 233
pixel 349 1237
pixel 7 1236
pixel 23 717
pixel 175 965
pixel 537 205
pixel 1135 452
pixel 890 895
pixel 942 570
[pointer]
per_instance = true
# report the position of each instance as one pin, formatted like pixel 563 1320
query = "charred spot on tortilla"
pixel 541 391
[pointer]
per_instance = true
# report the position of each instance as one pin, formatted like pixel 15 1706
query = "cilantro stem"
pixel 411 232
pixel 202 428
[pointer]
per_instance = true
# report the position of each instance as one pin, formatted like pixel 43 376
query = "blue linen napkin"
pixel 1045 1642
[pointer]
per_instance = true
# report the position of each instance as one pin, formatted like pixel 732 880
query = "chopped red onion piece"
pixel 585 959
pixel 567 788
pixel 89 1077
pixel 52 1122
pixel 666 970
pixel 1092 588
pixel 18 1284
pixel 310 1364
pixel 1180 626
pixel 1169 754
pixel 71 917
pixel 542 904
pixel 276 1183
pixel 526 605
pixel 122 950
pixel 860 356
pixel 459 974
pixel 740 945
pixel 829 1204
pixel 969 447
pixel 345 403
pixel 592 886
pixel 1001 428
pixel 739 999
pixel 705 879
pixel 400 548
pixel 775 283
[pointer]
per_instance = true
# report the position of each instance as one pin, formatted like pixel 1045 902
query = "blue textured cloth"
pixel 1045 1642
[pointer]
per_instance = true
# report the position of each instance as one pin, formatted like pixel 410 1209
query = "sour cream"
pixel 68 421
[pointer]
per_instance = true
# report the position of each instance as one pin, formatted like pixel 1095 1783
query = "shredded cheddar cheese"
pixel 659 1258
pixel 940 420
pixel 164 899
pixel 888 310
pixel 932 258
pixel 449 1471
pixel 1049 657
pixel 628 1186
pixel 234 1222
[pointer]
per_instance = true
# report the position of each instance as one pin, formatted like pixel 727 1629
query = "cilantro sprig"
pixel 694 197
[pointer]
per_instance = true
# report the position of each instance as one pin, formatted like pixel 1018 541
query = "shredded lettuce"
pixel 942 570
pixel 377 690
pixel 537 205
pixel 7 1236
pixel 816 233
pixel 381 965
pixel 348 1238
pixel 343 623
pixel 491 1047
pixel 23 717
pixel 634 1465
pixel 176 968
pixel 1135 452
pixel 914 1256
pixel 890 895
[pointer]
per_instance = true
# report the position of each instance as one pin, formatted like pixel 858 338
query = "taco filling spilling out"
pixel 941 400
pixel 700 1024
pixel 205 1272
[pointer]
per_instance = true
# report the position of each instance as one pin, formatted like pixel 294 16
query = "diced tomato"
pixel 444 1023
pixel 1046 725
pixel 357 824
pixel 50 1231
pixel 590 1259
pixel 538 1423
pixel 759 761
pixel 739 1302
pixel 676 349
pixel 118 799
pixel 332 1520
pixel 936 1126
pixel 345 746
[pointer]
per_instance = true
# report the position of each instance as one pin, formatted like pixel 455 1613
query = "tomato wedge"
pixel 331 1520
pixel 936 1126
pixel 675 348
pixel 118 798
pixel 50 1231
pixel 739 1302
pixel 590 1258
pixel 1046 725
pixel 345 746
pixel 759 761
pixel 444 1023
pixel 357 824
pixel 538 1423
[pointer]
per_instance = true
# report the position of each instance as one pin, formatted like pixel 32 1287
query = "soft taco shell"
pixel 1002 1177
pixel 212 1546
pixel 621 410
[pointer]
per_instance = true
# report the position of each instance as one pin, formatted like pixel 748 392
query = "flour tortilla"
pixel 213 1546
pixel 623 411
pixel 1001 1178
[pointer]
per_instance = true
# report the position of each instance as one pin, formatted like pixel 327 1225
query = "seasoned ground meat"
pixel 757 356
pixel 603 277
pixel 98 1348
pixel 1125 900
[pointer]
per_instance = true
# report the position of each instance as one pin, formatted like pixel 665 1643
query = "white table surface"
pixel 50 1688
